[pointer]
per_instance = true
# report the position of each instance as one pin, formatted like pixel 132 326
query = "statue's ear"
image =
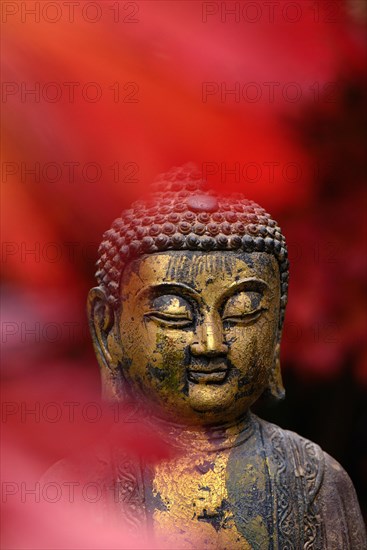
pixel 102 326
pixel 275 384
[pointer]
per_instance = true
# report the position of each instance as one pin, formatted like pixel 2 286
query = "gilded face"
pixel 199 330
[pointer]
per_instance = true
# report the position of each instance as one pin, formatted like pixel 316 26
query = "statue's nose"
pixel 208 339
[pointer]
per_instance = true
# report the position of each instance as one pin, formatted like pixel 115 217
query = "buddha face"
pixel 198 331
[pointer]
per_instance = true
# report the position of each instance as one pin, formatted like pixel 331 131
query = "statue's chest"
pixel 192 503
pixel 258 494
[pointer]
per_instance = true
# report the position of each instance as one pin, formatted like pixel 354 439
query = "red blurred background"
pixel 268 98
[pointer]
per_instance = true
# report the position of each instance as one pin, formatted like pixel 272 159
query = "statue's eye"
pixel 170 310
pixel 243 308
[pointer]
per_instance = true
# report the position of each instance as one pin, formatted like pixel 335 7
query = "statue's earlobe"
pixel 101 324
pixel 275 384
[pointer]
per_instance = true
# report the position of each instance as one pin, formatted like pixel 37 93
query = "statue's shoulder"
pixel 311 489
pixel 308 457
pixel 313 486
pixel 293 459
pixel 286 441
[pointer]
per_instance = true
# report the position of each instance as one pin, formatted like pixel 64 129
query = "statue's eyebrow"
pixel 252 283
pixel 161 288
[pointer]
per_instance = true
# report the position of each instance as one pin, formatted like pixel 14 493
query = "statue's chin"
pixel 210 397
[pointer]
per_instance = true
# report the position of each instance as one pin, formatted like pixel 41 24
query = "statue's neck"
pixel 205 438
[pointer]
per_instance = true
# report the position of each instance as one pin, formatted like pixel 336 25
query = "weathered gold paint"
pixel 195 341
pixel 199 319
pixel 188 495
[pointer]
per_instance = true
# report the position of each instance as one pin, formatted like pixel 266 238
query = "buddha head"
pixel 188 314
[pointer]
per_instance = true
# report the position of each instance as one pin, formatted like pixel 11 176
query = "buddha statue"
pixel 186 323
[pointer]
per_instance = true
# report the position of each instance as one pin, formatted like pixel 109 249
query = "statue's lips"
pixel 211 374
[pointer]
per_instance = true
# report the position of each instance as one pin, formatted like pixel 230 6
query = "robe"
pixel 267 489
